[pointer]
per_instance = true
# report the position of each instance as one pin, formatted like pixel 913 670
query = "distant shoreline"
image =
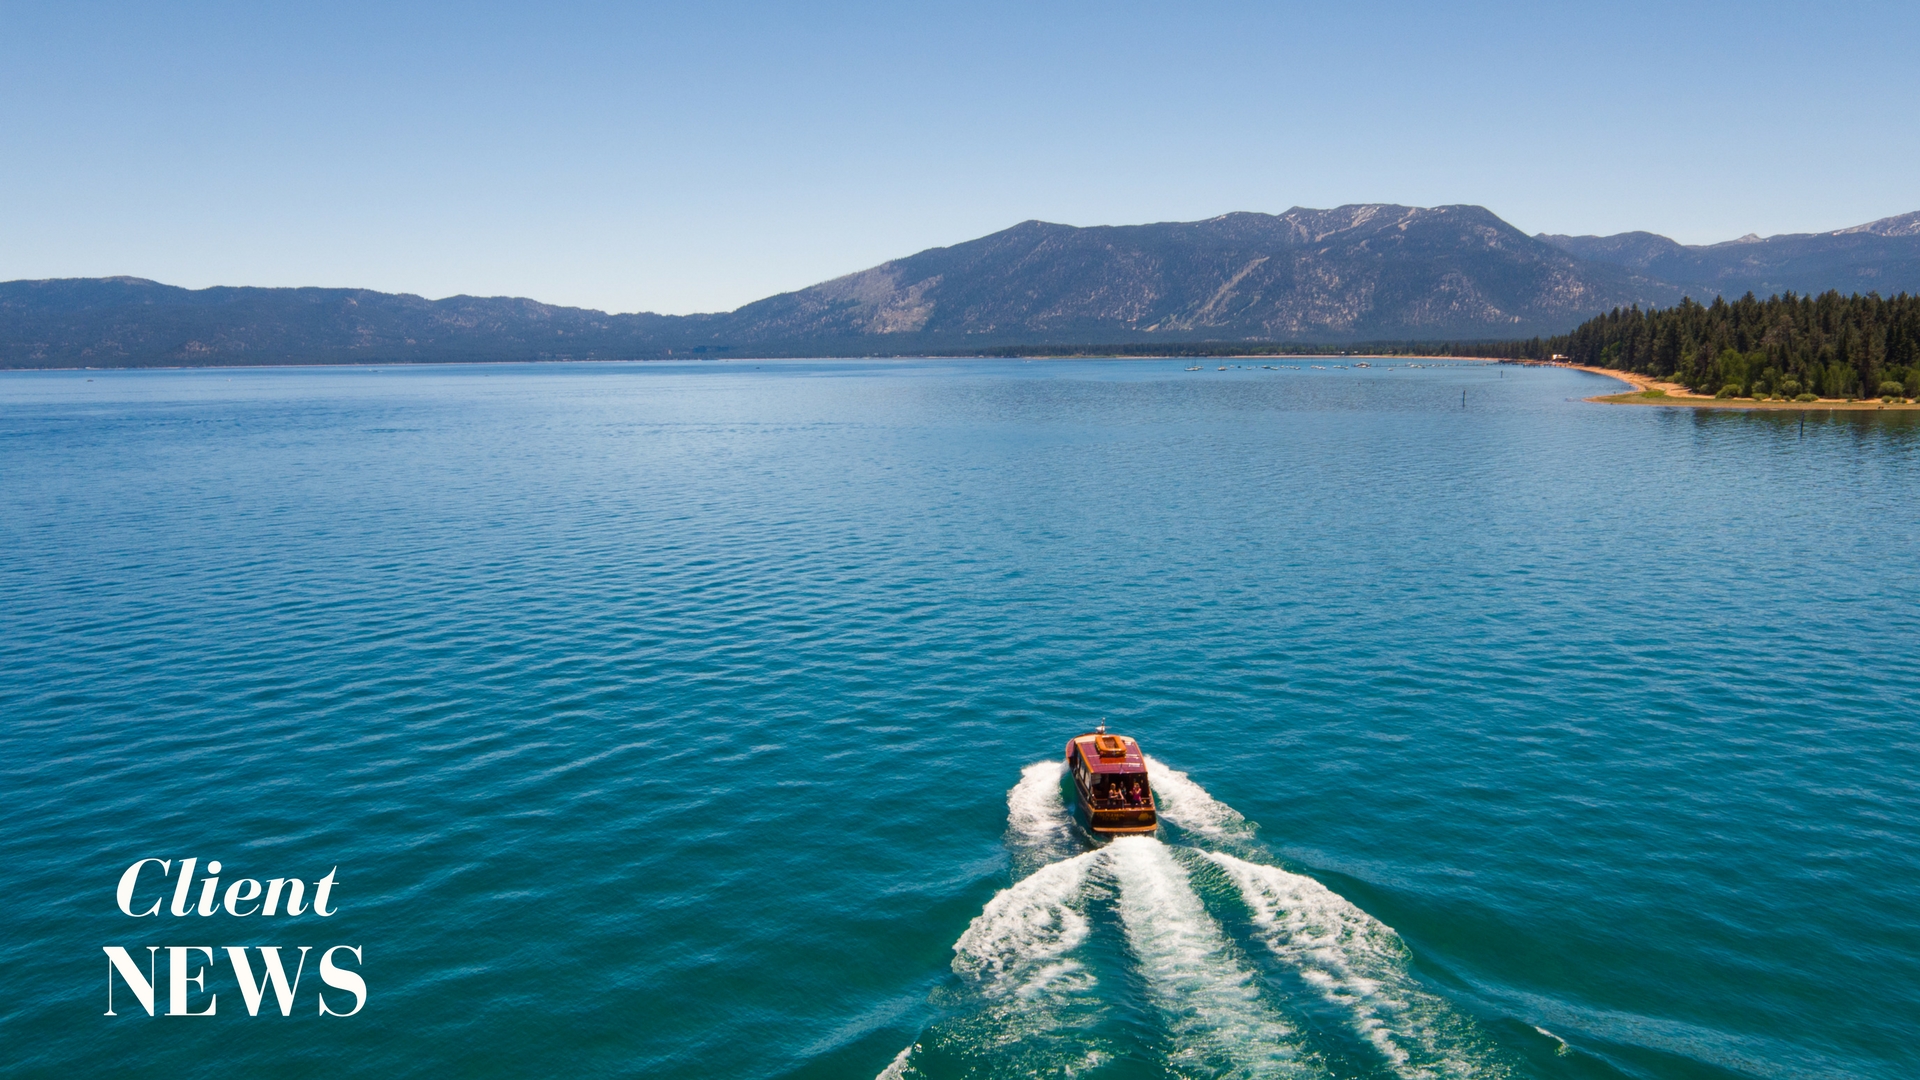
pixel 709 359
pixel 1647 390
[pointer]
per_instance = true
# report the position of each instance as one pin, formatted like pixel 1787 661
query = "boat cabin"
pixel 1110 778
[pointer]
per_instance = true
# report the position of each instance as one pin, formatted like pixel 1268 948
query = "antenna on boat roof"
pixel 1101 729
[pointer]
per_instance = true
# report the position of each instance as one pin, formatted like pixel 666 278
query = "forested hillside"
pixel 1829 345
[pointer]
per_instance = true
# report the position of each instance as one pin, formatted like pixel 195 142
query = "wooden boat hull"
pixel 1119 822
pixel 1123 763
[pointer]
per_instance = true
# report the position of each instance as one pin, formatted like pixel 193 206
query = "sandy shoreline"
pixel 1673 394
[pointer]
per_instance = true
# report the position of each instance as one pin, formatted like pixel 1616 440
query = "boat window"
pixel 1119 789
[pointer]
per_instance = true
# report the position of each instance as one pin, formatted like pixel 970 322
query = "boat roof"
pixel 1134 762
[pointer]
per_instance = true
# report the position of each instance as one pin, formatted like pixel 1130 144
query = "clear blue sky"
pixel 695 157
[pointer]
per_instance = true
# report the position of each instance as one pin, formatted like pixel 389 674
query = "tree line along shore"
pixel 1786 349
pixel 1783 348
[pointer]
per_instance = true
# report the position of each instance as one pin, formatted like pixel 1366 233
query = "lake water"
pixel 698 720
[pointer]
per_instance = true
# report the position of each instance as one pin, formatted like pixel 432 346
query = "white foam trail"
pixel 1035 999
pixel 1037 824
pixel 897 1068
pixel 1219 1024
pixel 1188 805
pixel 1018 944
pixel 1360 964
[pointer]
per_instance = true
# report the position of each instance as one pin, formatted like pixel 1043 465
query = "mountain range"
pixel 1881 256
pixel 1355 273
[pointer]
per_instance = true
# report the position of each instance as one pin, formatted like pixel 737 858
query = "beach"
pixel 1648 390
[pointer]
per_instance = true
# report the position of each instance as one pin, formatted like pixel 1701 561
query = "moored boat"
pixel 1110 779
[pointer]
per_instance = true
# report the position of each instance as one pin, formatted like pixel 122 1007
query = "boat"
pixel 1110 782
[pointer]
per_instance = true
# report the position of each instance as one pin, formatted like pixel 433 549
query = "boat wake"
pixel 1034 1005
pixel 1038 829
pixel 1113 953
pixel 1218 1023
pixel 1358 964
pixel 1018 944
pixel 1197 813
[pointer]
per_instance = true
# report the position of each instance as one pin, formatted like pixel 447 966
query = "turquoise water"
pixel 699 720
